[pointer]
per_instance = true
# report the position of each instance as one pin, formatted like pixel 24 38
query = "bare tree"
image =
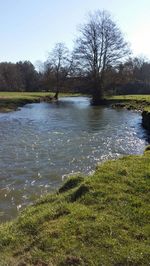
pixel 99 46
pixel 58 64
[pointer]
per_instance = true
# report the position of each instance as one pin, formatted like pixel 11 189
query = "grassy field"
pixel 133 97
pixel 101 219
pixel 10 101
pixel 139 102
pixel 22 95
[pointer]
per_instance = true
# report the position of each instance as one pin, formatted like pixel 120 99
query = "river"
pixel 42 143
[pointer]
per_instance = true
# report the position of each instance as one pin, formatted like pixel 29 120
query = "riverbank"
pixel 101 219
pixel 134 102
pixel 131 102
pixel 11 101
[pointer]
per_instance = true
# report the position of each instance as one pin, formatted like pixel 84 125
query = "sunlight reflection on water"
pixel 42 143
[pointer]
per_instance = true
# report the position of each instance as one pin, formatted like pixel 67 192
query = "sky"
pixel 29 29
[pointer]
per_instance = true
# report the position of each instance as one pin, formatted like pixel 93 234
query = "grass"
pixel 138 102
pixel 133 97
pixel 101 219
pixel 10 101
pixel 96 220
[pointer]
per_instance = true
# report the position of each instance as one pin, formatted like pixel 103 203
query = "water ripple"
pixel 42 143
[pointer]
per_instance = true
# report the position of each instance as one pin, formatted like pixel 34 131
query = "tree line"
pixel 100 63
pixel 21 76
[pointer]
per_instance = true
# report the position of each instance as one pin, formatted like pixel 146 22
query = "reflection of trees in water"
pixel 94 118
pixel 80 112
pixel 85 116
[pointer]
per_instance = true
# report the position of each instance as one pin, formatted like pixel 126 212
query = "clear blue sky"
pixel 30 28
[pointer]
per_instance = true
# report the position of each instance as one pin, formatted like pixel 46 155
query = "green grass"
pixel 139 102
pixel 133 97
pixel 10 101
pixel 31 95
pixel 101 219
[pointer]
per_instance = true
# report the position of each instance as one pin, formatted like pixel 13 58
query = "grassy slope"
pixel 98 220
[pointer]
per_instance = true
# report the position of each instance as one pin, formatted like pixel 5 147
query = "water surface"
pixel 42 143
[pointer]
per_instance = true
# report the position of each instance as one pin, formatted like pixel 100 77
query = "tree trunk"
pixel 97 96
pixel 56 95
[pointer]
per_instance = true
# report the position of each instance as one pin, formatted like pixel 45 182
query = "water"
pixel 42 143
